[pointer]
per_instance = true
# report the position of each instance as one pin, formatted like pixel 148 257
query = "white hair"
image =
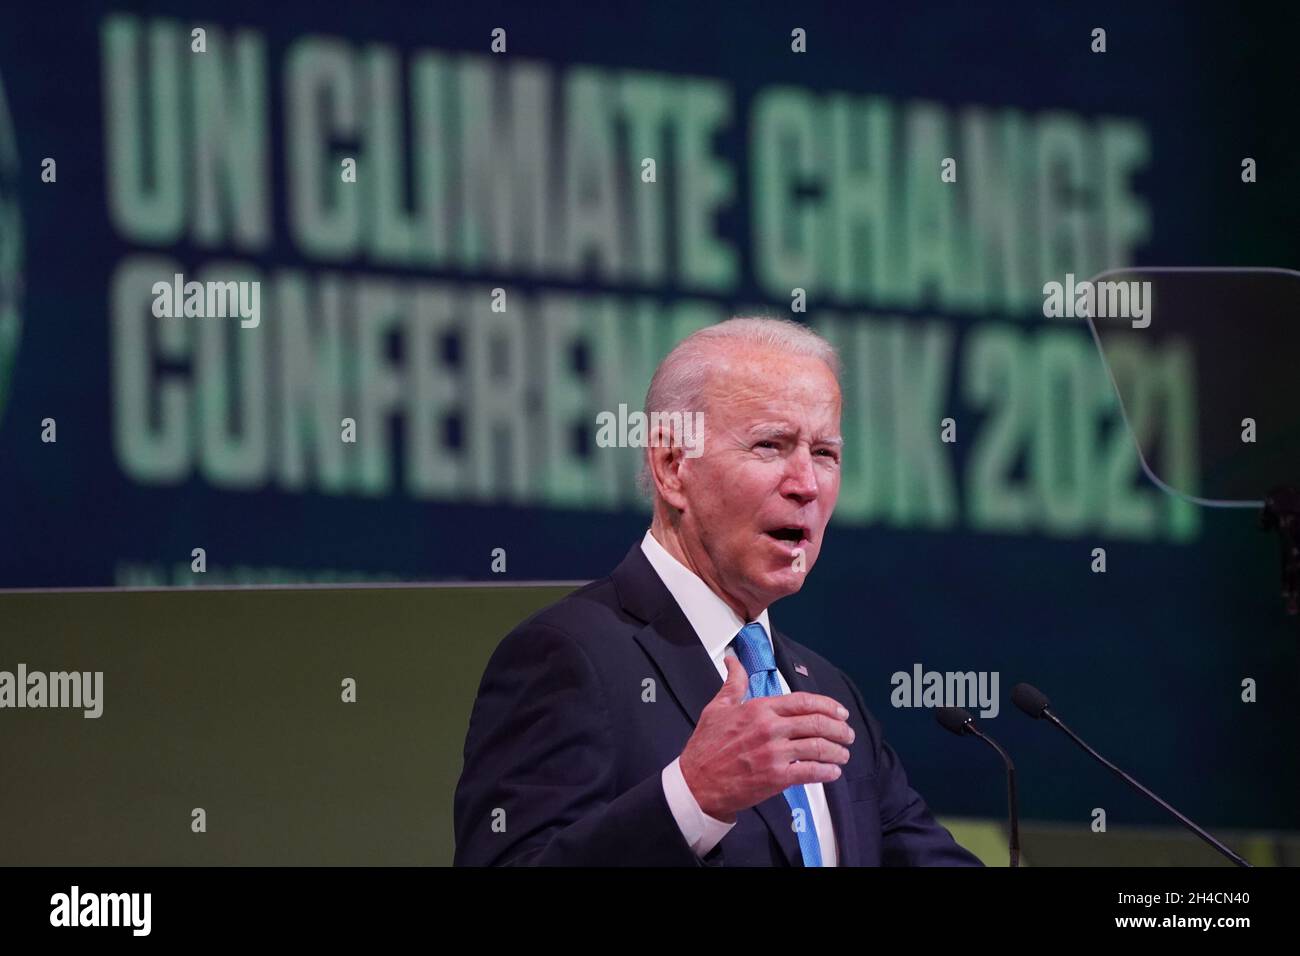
pixel 679 382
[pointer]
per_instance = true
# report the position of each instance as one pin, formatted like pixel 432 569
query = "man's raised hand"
pixel 744 751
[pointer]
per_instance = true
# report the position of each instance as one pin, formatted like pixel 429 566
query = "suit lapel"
pixel 667 637
pixel 677 652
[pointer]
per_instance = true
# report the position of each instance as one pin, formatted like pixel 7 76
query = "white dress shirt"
pixel 716 625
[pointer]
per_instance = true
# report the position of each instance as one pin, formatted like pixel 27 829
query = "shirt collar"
pixel 715 623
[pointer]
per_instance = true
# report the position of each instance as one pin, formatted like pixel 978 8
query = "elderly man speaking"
pixel 654 717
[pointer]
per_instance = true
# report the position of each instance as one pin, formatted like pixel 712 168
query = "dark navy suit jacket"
pixel 564 750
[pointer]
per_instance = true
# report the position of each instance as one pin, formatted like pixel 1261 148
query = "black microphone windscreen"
pixel 955 719
pixel 1030 699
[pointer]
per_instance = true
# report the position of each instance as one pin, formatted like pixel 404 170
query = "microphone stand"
pixel 1143 790
pixel 1013 807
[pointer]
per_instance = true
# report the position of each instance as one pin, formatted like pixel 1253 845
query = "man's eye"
pixel 766 444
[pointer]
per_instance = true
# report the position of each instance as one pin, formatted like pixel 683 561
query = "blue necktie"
pixel 755 652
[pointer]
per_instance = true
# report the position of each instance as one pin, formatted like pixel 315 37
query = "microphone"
pixel 1035 703
pixel 960 722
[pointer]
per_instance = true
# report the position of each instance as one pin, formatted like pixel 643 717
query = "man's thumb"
pixel 737 683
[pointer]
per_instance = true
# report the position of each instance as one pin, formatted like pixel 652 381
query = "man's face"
pixel 764 488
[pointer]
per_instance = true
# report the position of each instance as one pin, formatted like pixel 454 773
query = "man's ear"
pixel 666 470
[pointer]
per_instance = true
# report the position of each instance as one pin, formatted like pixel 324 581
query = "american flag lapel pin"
pixel 800 669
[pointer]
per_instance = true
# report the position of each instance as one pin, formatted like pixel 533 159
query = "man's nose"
pixel 800 477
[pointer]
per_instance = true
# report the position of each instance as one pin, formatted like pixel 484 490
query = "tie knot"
pixel 754 649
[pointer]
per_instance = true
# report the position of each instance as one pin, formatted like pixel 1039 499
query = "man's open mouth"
pixel 792 533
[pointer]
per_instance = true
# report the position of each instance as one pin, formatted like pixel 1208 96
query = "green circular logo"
pixel 11 251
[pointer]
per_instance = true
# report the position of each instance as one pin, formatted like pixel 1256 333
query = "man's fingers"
pixel 817 725
pixel 802 702
pixel 811 771
pixel 819 749
pixel 737 683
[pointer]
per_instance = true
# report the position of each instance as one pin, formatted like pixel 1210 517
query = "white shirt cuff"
pixel 701 831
